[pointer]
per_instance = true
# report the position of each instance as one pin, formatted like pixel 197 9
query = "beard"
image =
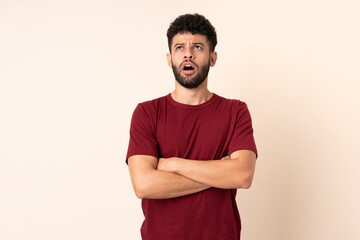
pixel 194 81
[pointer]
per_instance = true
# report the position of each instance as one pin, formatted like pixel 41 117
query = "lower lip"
pixel 188 72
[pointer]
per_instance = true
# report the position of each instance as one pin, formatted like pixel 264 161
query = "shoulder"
pixel 151 105
pixel 148 110
pixel 235 105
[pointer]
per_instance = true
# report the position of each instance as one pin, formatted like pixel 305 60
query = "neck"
pixel 193 96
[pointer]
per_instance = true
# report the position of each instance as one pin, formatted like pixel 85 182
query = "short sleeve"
pixel 242 137
pixel 142 133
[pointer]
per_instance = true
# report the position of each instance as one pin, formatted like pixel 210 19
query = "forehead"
pixel 189 38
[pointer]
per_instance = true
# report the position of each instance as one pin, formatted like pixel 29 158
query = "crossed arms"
pixel 174 177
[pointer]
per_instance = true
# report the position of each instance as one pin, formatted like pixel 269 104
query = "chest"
pixel 198 134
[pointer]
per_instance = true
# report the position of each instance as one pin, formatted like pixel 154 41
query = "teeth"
pixel 188 65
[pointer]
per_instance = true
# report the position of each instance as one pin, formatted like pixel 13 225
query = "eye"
pixel 198 47
pixel 179 48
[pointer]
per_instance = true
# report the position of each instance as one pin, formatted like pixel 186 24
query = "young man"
pixel 190 150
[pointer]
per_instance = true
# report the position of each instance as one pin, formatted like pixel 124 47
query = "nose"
pixel 189 54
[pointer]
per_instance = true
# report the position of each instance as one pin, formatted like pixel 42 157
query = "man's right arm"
pixel 148 182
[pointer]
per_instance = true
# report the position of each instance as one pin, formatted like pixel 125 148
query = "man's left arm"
pixel 235 171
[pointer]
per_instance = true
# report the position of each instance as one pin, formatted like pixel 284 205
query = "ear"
pixel 168 58
pixel 213 58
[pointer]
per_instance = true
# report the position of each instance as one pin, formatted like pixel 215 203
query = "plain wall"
pixel 72 72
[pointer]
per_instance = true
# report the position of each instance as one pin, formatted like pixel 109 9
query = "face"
pixel 190 59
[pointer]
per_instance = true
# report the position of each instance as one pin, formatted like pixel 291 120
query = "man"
pixel 190 150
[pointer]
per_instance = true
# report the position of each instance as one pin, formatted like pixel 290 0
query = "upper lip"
pixel 193 65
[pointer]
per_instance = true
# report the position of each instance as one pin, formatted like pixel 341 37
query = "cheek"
pixel 175 61
pixel 205 60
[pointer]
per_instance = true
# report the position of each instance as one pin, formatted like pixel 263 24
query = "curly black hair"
pixel 192 23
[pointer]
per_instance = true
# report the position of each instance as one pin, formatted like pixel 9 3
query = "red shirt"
pixel 209 131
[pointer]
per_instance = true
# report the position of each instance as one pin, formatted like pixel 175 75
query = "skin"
pixel 173 177
pixel 189 50
pixel 196 52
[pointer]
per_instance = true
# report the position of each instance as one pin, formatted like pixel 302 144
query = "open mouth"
pixel 188 68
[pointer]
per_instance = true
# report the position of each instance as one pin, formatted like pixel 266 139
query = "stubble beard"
pixel 191 82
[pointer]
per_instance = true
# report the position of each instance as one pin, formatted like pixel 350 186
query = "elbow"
pixel 244 181
pixel 246 184
pixel 143 186
pixel 141 191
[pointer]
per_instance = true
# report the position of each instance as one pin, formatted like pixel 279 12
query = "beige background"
pixel 72 72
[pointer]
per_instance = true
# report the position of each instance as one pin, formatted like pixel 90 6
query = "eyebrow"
pixel 179 44
pixel 195 43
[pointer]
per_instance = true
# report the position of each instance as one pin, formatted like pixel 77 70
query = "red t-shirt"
pixel 209 131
